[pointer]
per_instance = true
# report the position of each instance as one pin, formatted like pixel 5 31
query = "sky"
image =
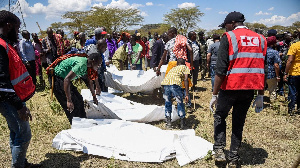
pixel 268 12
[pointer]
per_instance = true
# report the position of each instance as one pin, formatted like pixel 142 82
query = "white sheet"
pixel 133 81
pixel 115 107
pixel 131 141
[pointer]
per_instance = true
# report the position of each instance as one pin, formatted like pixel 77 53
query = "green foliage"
pixel 208 156
pixel 114 19
pixel 55 107
pixel 158 28
pixel 184 19
pixel 216 31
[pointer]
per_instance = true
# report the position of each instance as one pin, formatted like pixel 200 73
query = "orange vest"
pixel 247 51
pixel 19 77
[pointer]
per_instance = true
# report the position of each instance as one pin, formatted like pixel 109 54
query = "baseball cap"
pixel 233 16
pixel 272 31
pixel 103 32
pixel 98 31
pixel 76 32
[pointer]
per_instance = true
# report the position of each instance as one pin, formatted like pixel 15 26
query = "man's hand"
pixel 158 72
pixel 258 103
pixel 24 114
pixel 95 100
pixel 70 106
pixel 213 102
pixel 285 78
pixel 186 99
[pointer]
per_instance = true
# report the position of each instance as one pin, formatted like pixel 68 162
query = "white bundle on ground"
pixel 133 81
pixel 115 107
pixel 131 141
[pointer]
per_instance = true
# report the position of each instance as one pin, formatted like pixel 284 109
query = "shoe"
pixel 31 165
pixel 182 124
pixel 234 164
pixel 189 109
pixel 220 159
pixel 169 123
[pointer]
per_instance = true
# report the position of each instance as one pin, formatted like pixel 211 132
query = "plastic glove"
pixel 258 103
pixel 213 102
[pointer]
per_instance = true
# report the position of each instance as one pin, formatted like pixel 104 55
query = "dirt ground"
pixel 270 139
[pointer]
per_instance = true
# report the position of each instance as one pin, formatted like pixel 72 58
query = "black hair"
pixel 133 37
pixel 201 33
pixel 180 61
pixel 24 32
pixel 173 30
pixel 190 34
pixel 8 17
pixel 145 37
pixel 216 37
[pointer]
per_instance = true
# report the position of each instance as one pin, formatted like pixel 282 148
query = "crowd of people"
pixel 238 62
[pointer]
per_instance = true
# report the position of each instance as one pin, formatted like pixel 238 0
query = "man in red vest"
pixel 16 87
pixel 239 71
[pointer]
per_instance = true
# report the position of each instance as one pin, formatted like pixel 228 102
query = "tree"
pixel 57 25
pixel 215 31
pixel 183 19
pixel 114 19
pixel 77 22
pixel 280 29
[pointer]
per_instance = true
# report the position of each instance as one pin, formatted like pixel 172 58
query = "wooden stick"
pixel 52 73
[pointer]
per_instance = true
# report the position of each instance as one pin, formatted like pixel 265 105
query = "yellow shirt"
pixel 295 51
pixel 120 54
pixel 176 75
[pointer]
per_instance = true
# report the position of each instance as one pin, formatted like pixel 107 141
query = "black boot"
pixel 220 159
pixel 169 123
pixel 182 124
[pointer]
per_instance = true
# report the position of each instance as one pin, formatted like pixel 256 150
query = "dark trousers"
pixel 101 79
pixel 240 100
pixel 294 91
pixel 31 70
pixel 58 90
pixel 195 72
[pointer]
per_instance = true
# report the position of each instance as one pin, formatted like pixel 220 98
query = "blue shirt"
pixel 26 50
pixel 272 57
pixel 90 41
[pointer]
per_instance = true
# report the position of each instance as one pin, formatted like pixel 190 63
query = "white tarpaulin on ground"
pixel 131 141
pixel 133 81
pixel 115 107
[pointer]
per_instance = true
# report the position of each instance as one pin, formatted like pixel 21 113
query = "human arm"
pixel 91 87
pixel 67 83
pixel 291 59
pixel 190 49
pixel 186 84
pixel 161 62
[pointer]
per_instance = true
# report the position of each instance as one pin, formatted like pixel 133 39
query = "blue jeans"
pixel 173 90
pixel 20 134
pixel 294 91
pixel 212 74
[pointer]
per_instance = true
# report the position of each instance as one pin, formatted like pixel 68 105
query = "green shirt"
pixel 76 64
pixel 135 50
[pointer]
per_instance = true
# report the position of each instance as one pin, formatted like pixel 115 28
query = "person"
pixel 119 57
pixel 212 55
pixel 28 55
pixel 172 84
pixel 143 53
pixel 196 56
pixel 99 34
pixel 124 38
pixel 111 45
pixel 151 43
pixel 75 41
pixel 147 57
pixel 37 45
pixel 203 50
pixel 271 32
pixel 239 71
pixel 65 40
pixel 12 95
pixel 273 61
pixel 177 48
pixel 50 47
pixel 72 68
pixel 292 76
pixel 158 50
pixel 134 56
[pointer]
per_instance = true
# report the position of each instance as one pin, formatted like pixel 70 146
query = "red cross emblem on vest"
pixel 249 41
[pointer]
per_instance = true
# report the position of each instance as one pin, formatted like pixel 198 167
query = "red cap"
pixel 76 32
pixel 103 32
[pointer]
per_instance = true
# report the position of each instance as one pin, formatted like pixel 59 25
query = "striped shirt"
pixel 176 75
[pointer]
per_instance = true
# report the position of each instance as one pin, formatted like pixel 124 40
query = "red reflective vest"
pixel 19 77
pixel 247 51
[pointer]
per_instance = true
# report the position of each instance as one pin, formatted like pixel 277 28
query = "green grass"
pixel 270 139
